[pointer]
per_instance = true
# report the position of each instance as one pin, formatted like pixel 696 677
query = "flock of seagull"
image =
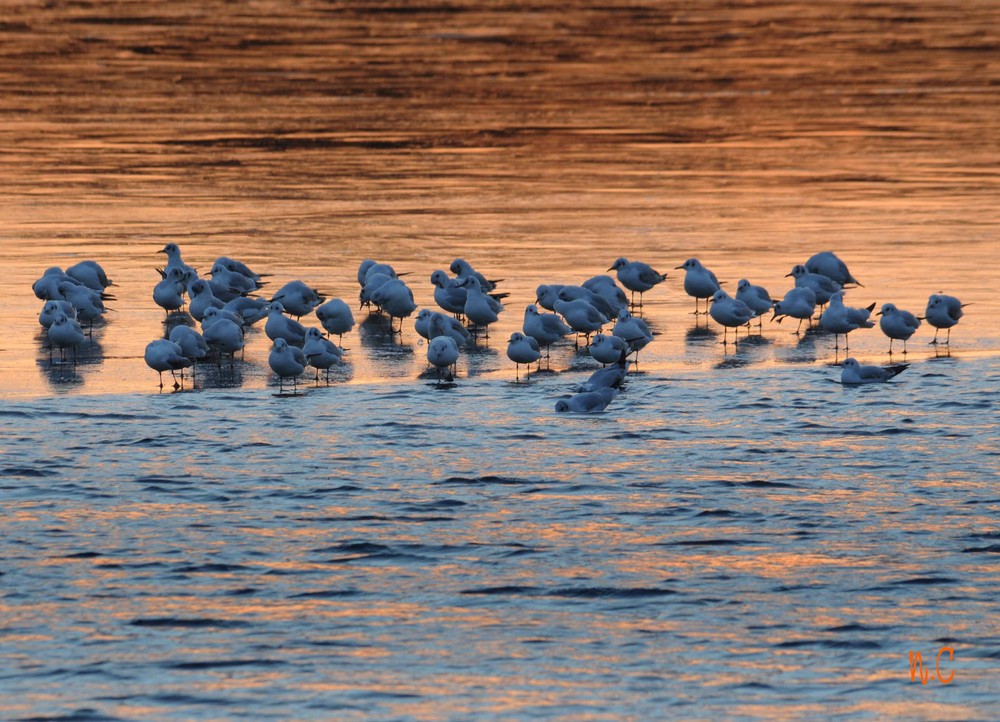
pixel 225 306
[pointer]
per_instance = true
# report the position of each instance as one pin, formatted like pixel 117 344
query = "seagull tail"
pixel 897 369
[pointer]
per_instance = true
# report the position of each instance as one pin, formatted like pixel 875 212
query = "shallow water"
pixel 736 537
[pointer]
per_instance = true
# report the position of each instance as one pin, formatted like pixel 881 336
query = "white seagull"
pixel 442 353
pixel 587 402
pixel 729 312
pixel 545 328
pixel 942 312
pixel 162 355
pixel 897 324
pixel 699 282
pixel 522 349
pixel 336 318
pixel 854 373
pixel 321 353
pixel 840 319
pixel 823 286
pixel 798 303
pixel 281 326
pixel 286 362
pixel 636 276
pixel 827 264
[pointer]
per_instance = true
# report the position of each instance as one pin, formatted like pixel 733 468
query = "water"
pixel 736 537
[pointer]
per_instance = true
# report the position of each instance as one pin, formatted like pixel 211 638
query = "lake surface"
pixel 735 537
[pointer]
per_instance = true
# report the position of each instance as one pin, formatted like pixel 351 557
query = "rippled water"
pixel 736 537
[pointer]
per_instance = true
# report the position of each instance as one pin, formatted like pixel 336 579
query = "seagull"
pixel 298 298
pixel 581 317
pixel 897 324
pixel 336 318
pixel 174 261
pixel 821 285
pixel 854 373
pixel 321 353
pixel 162 355
pixel 227 285
pixel 942 312
pixel 605 287
pixel 522 349
pixel 442 352
pixel 192 343
pixel 202 298
pixel 637 276
pixel 587 402
pixel 478 306
pixel 90 274
pixel 250 310
pixel 463 269
pixel 729 312
pixel 286 362
pixel 440 325
pixel 239 267
pixel 281 326
pixel 840 319
pixel 545 328
pixel 65 333
pixel 609 349
pixel 699 282
pixel 634 330
pixel 827 264
pixel 580 293
pixel 373 282
pixel 448 293
pixel 214 315
pixel 52 309
pixel 224 336
pixel 168 294
pixel 88 303
pixel 547 294
pixel 396 299
pixel 46 288
pixel 798 303
pixel 609 377
pixel 756 298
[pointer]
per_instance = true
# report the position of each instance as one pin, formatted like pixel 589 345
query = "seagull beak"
pixel 879 313
pixel 612 268
pixel 678 268
pixel 787 275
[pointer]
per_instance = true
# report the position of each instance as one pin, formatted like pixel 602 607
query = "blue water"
pixel 417 553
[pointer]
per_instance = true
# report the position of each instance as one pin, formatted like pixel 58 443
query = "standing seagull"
pixel 545 328
pixel 65 333
pixel 90 274
pixel 699 282
pixel 897 324
pixel 942 312
pixel 286 362
pixel 823 286
pixel 827 264
pixel 840 319
pixel 321 353
pixel 756 298
pixel 162 355
pixel 522 349
pixel 442 353
pixel 798 303
pixel 637 276
pixel 854 373
pixel 336 317
pixel 730 313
